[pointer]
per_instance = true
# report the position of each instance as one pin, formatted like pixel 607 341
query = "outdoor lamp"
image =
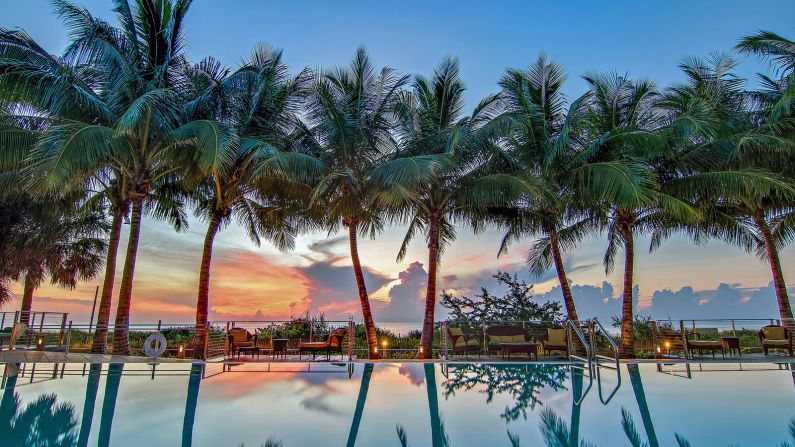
pixel 181 351
pixel 40 344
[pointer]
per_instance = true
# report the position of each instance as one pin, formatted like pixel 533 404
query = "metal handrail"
pixel 596 324
pixel 570 324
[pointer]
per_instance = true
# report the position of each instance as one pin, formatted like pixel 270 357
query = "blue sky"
pixel 641 38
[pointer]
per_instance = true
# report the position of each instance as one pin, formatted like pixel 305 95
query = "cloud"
pixel 406 297
pixel 332 290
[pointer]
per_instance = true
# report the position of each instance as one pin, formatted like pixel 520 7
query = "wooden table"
pixel 519 348
pixel 280 347
pixel 731 344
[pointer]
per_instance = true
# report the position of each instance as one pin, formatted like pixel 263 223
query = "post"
pixel 159 323
pixel 206 342
pixel 734 330
pixel 93 308
pixel 655 341
pixel 63 328
pixel 311 324
pixel 351 336
pixel 443 336
pixel 68 340
pixel 684 338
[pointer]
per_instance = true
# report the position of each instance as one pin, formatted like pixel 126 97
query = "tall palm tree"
pixel 445 173
pixel 350 117
pixel 52 240
pixel 542 134
pixel 612 171
pixel 736 162
pixel 112 102
pixel 776 111
pixel 260 101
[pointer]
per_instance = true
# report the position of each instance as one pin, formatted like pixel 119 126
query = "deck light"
pixel 40 344
pixel 181 351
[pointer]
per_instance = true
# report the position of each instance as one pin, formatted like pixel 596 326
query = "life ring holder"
pixel 155 345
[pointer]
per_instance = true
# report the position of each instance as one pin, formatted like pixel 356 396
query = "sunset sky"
pixel 679 280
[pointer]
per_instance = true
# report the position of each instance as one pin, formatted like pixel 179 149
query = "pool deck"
pixel 32 356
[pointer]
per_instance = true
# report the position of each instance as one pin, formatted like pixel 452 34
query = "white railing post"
pixel 443 335
pixel 351 337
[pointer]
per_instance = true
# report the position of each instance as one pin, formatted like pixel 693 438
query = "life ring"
pixel 155 345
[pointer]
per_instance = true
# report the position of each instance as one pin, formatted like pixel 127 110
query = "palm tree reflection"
pixel 109 402
pixel 357 414
pixel 191 402
pixel 521 382
pixel 43 422
pixel 89 403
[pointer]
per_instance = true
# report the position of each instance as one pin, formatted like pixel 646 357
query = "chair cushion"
pixel 774 333
pixel 497 339
pixel 556 336
pixel 240 335
pixel 776 343
pixel 313 345
pixel 244 344
pixel 460 342
pixel 454 331
pixel 517 339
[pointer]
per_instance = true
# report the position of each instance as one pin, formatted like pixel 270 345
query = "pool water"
pixel 397 404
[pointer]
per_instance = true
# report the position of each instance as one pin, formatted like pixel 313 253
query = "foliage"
pixel 42 422
pixel 518 304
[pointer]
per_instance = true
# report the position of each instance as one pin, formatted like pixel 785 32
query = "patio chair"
pixel 669 339
pixel 240 338
pixel 461 343
pixel 332 343
pixel 555 340
pixel 704 345
pixel 776 337
pixel 504 334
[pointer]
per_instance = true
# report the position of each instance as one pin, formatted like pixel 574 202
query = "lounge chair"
pixel 240 338
pixel 504 334
pixel 555 340
pixel 332 343
pixel 776 337
pixel 461 343
pixel 704 345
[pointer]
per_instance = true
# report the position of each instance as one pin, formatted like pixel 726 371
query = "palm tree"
pixel 541 138
pixel 444 173
pixel 350 122
pixel 113 102
pixel 260 101
pixel 51 240
pixel 736 163
pixel 612 171
pixel 87 417
pixel 773 221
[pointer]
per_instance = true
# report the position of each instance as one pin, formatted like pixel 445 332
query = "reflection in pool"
pixel 397 404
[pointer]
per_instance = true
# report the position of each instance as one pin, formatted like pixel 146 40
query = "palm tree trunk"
pixel 426 341
pixel 627 349
pixel 568 299
pixel 367 315
pixel 121 329
pixel 100 343
pixel 27 300
pixel 784 308
pixel 202 303
pixel 359 411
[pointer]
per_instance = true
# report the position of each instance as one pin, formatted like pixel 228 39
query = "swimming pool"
pixel 398 404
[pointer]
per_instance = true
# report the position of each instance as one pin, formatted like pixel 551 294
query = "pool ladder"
pixel 593 362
